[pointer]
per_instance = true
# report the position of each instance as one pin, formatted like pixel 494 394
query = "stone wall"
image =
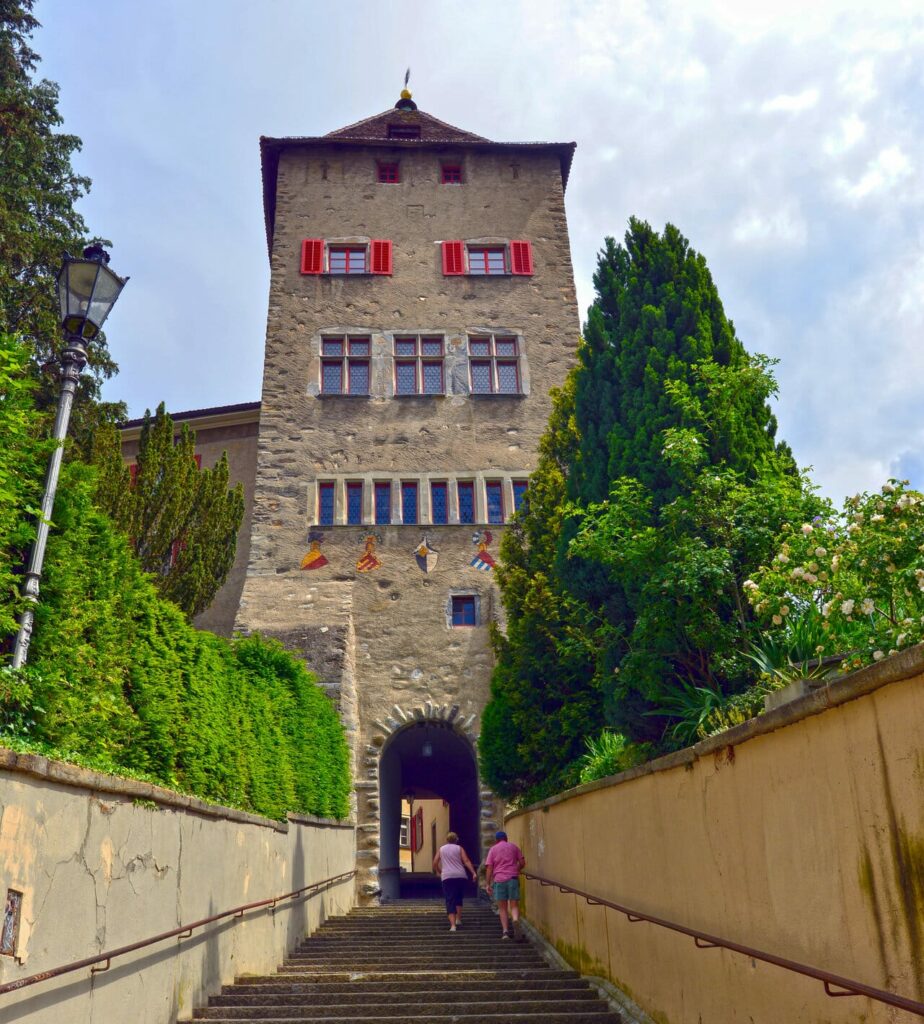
pixel 800 833
pixel 390 624
pixel 103 862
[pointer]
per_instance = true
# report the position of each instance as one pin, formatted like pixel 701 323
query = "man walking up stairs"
pixel 399 965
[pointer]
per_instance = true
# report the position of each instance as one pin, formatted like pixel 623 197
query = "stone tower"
pixel 421 308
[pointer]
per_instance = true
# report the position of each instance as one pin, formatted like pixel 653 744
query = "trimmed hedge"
pixel 117 675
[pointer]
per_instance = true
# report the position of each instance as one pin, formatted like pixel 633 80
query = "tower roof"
pixel 381 128
pixel 402 126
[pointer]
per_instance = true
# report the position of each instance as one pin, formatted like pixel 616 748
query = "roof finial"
pixel 406 103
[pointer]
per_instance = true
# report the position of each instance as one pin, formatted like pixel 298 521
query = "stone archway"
pixel 431 751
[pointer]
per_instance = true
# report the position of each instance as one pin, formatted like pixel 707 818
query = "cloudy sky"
pixel 785 140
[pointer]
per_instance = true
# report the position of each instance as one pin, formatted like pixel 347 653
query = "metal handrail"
pixel 183 931
pixel 702 940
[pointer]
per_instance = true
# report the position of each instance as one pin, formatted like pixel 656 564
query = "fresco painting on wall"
pixel 426 555
pixel 483 559
pixel 314 559
pixel 368 562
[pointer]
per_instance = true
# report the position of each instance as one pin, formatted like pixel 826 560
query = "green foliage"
pixel 860 571
pixel 660 488
pixel 22 459
pixel 790 651
pixel 182 521
pixel 117 674
pixel 39 193
pixel 610 753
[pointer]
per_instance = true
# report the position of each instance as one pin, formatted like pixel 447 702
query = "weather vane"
pixel 407 77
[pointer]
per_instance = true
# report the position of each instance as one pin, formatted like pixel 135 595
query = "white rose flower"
pixel 807 528
pixel 867 606
pixel 826 608
pixel 878 655
pixel 777 621
pixel 820 552
pixel 852 528
pixel 876 518
pixel 900 639
pixel 847 607
pixel 887 488
pixel 784 609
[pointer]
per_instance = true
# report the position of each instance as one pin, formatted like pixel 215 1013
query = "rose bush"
pixel 862 569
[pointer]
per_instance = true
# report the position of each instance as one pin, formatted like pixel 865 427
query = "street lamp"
pixel 87 291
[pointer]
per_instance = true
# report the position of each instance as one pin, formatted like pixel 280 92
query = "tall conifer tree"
pixel 622 583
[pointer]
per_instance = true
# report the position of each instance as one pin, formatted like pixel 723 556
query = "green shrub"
pixel 117 674
pixel 611 753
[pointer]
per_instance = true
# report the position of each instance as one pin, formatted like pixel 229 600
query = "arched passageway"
pixel 428 784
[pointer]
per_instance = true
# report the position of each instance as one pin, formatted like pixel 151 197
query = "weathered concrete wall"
pixel 103 862
pixel 800 834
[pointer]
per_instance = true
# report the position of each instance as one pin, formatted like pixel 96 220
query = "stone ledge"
pixel 864 681
pixel 64 774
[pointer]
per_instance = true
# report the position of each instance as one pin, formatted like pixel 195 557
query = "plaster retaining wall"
pixel 800 833
pixel 103 862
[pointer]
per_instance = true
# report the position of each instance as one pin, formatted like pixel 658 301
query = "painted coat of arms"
pixel 483 559
pixel 426 555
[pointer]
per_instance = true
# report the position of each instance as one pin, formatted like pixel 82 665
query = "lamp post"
pixel 87 291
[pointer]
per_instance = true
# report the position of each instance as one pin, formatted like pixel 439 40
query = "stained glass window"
pixel 439 506
pixel 354 504
pixel 466 491
pixel 495 501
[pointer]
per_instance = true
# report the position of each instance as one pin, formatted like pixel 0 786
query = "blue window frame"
pixel 519 490
pixel 439 505
pixel 463 610
pixel 495 500
pixel 466 492
pixel 354 504
pixel 326 504
pixel 383 503
pixel 409 501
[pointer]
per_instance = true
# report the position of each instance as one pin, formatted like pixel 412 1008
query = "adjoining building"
pixel 421 308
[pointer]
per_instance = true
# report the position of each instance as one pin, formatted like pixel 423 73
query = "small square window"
pixel 505 347
pixel 487 261
pixel 463 610
pixel 354 503
pixel 432 347
pixel 405 346
pixel 359 346
pixel 452 174
pixel 347 260
pixel 404 837
pixel 332 346
pixel 389 174
pixel 479 347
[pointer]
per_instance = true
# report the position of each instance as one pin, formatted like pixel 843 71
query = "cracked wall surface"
pixel 100 870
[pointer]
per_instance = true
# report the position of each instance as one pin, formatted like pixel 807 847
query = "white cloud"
pixel 850 131
pixel 884 171
pixel 791 103
pixel 784 226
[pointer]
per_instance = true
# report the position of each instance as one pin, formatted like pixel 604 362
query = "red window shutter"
pixel 413 832
pixel 313 256
pixel 453 258
pixel 198 459
pixel 133 473
pixel 521 258
pixel 381 256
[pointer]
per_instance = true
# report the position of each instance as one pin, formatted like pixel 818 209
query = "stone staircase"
pixel 400 964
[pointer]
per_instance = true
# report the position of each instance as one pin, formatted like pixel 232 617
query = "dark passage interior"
pixel 424 762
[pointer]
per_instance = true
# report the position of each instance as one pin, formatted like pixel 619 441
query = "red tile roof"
pixel 376 129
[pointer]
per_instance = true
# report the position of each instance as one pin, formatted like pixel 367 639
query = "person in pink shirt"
pixel 504 863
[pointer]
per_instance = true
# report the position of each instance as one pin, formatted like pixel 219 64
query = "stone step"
pixel 345 996
pixel 420 1010
pixel 271 983
pixel 430 977
pixel 577 1016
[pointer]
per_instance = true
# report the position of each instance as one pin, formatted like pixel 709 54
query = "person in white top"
pixel 451 863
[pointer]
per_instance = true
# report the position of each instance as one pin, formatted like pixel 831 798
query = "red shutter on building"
pixel 133 473
pixel 453 258
pixel 381 257
pixel 420 830
pixel 198 459
pixel 413 832
pixel 313 256
pixel 521 258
